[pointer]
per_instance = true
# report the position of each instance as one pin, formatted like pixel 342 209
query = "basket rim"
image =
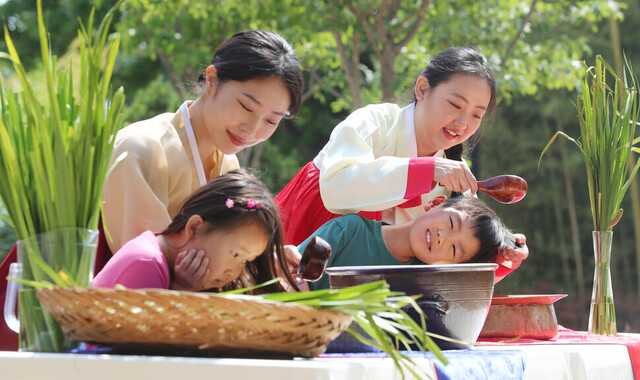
pixel 186 293
pixel 140 318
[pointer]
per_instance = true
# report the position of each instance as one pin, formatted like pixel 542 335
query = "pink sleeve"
pixel 420 176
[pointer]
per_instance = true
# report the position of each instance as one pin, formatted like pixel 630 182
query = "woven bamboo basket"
pixel 167 319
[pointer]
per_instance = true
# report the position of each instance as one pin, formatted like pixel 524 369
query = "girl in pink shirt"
pixel 226 235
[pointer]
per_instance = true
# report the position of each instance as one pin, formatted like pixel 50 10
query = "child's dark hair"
pixel 232 199
pixel 259 53
pixel 461 60
pixel 494 236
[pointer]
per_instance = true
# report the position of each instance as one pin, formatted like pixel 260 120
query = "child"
pixel 227 227
pixel 458 230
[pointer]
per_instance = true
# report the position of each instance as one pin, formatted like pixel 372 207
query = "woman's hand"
pixel 520 253
pixel 454 175
pixel 190 271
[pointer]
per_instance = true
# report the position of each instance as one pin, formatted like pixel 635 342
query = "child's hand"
pixel 293 260
pixel 521 251
pixel 190 270
pixel 293 257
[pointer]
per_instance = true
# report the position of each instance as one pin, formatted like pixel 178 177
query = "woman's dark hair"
pixel 228 201
pixel 457 60
pixel 259 53
pixel 487 227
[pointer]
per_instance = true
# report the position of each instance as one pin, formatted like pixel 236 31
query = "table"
pixel 596 361
pixel 548 362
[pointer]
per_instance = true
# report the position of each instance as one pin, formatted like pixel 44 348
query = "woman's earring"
pixel 234 254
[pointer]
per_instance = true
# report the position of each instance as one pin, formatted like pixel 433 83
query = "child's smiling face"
pixel 443 235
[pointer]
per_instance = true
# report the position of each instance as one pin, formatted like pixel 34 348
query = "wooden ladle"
pixel 504 188
pixel 314 260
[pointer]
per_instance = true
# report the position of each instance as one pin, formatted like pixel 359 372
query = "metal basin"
pixel 455 297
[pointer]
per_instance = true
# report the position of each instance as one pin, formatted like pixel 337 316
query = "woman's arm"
pixel 365 166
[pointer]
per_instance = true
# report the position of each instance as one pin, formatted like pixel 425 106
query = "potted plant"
pixel 55 146
pixel 608 114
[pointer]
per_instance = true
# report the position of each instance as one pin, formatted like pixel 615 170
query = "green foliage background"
pixel 167 43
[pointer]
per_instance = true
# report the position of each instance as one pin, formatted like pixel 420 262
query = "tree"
pixel 19 16
pixel 359 52
pixel 385 28
pixel 557 197
pixel 388 46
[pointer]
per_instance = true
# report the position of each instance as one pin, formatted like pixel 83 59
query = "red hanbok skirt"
pixel 301 207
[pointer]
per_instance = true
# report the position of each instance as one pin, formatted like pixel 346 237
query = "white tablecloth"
pixel 546 362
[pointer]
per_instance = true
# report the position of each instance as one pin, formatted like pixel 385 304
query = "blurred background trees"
pixel 368 51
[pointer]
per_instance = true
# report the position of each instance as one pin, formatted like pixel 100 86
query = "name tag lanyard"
pixel 193 144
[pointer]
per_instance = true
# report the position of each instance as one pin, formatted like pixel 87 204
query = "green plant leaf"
pixel 55 146
pixel 608 113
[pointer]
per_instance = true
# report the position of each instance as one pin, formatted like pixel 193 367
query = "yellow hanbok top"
pixel 153 174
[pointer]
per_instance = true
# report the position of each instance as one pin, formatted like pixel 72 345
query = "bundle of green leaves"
pixel 56 140
pixel 55 146
pixel 608 115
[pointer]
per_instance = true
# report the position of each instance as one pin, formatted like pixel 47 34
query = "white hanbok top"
pixel 371 163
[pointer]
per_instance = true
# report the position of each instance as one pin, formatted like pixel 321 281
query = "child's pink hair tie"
pixel 251 203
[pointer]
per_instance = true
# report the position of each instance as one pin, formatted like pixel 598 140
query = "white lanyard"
pixel 193 144
pixel 412 146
